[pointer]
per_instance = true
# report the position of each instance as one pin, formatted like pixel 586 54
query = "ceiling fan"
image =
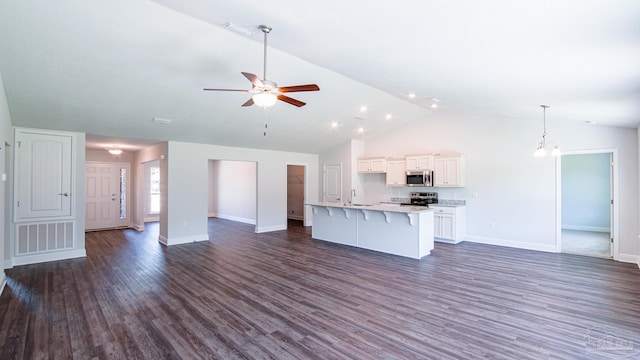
pixel 266 92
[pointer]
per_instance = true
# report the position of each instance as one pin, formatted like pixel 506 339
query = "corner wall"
pixel 187 187
pixel 6 137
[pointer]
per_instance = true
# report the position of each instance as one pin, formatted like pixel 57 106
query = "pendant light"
pixel 541 150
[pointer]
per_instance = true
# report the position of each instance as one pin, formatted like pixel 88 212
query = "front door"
pixel 105 195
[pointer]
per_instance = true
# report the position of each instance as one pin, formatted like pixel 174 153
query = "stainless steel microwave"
pixel 422 178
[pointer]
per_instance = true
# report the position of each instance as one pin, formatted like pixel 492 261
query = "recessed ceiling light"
pixel 434 105
pixel 334 124
pixel 360 130
pixel 411 95
pixel 388 116
pixel 363 108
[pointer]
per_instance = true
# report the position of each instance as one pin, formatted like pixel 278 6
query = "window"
pixel 154 190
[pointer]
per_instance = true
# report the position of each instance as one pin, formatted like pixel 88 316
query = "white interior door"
pixel 43 184
pixel 332 191
pixel 105 195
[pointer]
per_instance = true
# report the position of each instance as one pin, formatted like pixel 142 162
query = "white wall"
pixel 188 182
pixel 586 192
pixel 232 190
pixel 516 192
pixel 6 137
pixel 347 155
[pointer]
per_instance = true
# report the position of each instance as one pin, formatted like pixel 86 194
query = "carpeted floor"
pixel 586 243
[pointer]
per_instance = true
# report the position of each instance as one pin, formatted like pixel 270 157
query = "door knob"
pixel 64 194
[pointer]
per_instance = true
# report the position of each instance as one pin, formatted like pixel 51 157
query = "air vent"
pixel 163 121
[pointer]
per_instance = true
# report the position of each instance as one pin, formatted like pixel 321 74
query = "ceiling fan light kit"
pixel 267 93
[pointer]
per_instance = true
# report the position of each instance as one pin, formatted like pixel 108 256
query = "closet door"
pixel 43 175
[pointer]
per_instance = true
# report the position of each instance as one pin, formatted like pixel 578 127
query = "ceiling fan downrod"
pixel 265 29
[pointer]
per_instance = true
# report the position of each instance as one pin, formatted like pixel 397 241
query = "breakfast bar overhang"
pixel 398 230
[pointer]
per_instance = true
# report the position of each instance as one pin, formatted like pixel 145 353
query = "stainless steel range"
pixel 422 198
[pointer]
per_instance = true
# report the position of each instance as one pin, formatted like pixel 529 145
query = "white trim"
pixel 137 227
pixel 46 257
pixel 586 228
pixel 183 240
pixel 233 218
pixel 264 229
pixel 295 217
pixel 3 281
pixel 615 226
pixel 629 258
pixel 151 219
pixel 511 243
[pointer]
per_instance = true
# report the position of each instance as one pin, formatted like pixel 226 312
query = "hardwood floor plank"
pixel 283 295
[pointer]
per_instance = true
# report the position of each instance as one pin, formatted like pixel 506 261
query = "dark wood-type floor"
pixel 282 295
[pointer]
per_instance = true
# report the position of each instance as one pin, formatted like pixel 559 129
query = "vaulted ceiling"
pixel 109 68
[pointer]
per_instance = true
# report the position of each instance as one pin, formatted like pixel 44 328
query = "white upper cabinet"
pixel 43 175
pixel 396 173
pixel 449 171
pixel 372 165
pixel 419 162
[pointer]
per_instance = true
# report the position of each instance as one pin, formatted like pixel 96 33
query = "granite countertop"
pixel 375 207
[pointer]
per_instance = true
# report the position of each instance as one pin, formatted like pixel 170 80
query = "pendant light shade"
pixel 541 150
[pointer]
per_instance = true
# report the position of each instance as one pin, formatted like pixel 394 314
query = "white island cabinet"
pixel 398 230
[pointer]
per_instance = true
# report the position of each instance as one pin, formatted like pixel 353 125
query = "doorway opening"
pixel 587 199
pixel 295 194
pixel 233 190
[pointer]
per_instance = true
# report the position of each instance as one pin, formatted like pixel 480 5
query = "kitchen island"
pixel 399 230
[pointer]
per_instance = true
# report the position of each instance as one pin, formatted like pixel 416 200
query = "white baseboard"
pixel 50 256
pixel 628 258
pixel 137 227
pixel 183 239
pixel 151 219
pixel 263 229
pixel 295 217
pixel 233 218
pixel 585 228
pixel 511 243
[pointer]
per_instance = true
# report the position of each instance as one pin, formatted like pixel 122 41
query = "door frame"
pixel 615 211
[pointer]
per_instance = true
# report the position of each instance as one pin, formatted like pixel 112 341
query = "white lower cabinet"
pixel 449 223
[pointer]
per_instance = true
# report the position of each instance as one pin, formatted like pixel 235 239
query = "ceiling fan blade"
pixel 297 88
pixel 248 102
pixel 255 80
pixel 208 89
pixel 291 101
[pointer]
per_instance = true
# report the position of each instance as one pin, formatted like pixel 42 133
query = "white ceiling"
pixel 109 67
